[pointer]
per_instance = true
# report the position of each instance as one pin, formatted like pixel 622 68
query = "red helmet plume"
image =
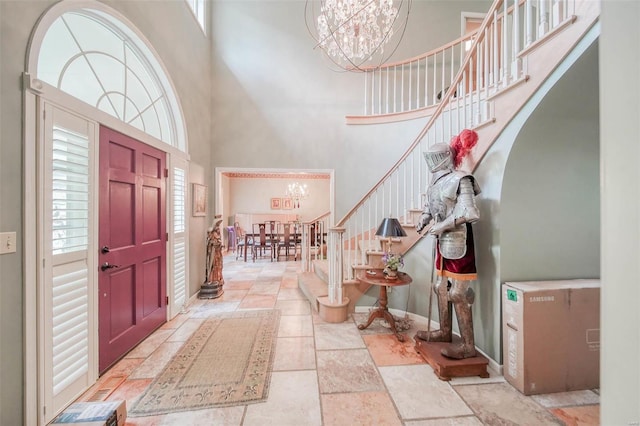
pixel 462 145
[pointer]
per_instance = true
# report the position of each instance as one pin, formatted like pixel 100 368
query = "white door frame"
pixel 33 129
pixel 219 189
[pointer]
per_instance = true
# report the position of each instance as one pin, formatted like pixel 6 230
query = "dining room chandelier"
pixel 355 32
pixel 297 192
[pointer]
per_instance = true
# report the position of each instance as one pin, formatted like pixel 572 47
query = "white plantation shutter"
pixel 179 200
pixel 70 327
pixel 68 282
pixel 70 192
pixel 69 226
pixel 179 273
pixel 179 239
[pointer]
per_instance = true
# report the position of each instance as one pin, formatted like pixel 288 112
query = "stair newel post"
pixel 335 259
pixel 334 307
pixel 304 255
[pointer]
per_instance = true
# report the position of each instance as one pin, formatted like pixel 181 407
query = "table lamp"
pixel 390 228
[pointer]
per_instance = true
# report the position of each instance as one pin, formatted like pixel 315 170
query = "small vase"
pixel 389 273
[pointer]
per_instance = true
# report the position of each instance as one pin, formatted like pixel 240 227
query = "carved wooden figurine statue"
pixel 212 287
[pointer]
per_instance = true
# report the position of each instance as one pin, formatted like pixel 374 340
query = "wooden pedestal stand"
pixel 446 368
pixel 376 277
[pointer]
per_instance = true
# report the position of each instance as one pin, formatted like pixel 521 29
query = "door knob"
pixel 107 265
pixel 105 250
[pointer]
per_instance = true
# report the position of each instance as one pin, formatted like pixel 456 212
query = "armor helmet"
pixel 439 157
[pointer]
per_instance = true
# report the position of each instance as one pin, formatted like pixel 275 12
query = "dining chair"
pixel 231 239
pixel 271 228
pixel 287 241
pixel 240 241
pixel 261 244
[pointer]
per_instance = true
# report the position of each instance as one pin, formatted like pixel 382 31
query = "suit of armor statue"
pixel 448 214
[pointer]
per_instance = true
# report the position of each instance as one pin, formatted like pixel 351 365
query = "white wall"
pixel 550 204
pixel 511 204
pixel 223 202
pixel 620 208
pixel 253 195
pixel 17 19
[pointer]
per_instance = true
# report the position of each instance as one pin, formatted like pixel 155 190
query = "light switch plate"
pixel 7 242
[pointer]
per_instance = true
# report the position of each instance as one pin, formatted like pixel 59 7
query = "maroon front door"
pixel 132 272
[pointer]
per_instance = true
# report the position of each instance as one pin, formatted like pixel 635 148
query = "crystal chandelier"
pixel 297 192
pixel 352 32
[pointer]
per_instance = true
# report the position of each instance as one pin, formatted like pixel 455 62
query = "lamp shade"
pixel 390 227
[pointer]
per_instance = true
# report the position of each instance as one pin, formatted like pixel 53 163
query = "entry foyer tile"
pixel 337 336
pixel 501 403
pixel 419 394
pixel 359 409
pixel 293 400
pixel 294 353
pixel 350 370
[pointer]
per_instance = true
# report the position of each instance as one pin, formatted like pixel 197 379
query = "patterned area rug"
pixel 227 361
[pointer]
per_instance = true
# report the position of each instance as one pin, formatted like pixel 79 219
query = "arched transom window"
pixel 96 58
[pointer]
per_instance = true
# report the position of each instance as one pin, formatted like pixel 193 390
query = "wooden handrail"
pixel 438 49
pixel 423 55
pixel 317 218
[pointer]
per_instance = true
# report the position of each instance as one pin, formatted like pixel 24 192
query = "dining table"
pixel 274 240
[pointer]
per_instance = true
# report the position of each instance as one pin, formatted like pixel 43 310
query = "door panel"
pixel 151 297
pixel 150 212
pixel 121 204
pixel 132 298
pixel 122 301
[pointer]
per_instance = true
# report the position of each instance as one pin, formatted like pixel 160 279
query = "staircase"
pixel 518 46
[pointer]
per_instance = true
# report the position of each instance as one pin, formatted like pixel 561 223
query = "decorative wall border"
pixel 263 175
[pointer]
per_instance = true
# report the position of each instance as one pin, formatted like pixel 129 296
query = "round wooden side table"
pixel 377 277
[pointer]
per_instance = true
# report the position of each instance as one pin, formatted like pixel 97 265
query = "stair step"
pixel 321 268
pixel 313 287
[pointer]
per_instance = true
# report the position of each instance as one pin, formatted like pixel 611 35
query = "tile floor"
pixel 334 374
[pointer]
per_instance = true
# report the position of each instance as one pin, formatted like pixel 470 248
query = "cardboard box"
pixel 102 413
pixel 551 335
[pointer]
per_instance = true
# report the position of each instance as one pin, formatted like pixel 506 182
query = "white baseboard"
pixel 190 302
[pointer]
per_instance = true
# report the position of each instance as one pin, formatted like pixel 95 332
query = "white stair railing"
pixel 493 63
pixel 416 83
pixel 313 239
pixel 419 83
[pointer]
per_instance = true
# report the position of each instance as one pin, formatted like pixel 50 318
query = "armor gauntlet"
pixel 425 218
